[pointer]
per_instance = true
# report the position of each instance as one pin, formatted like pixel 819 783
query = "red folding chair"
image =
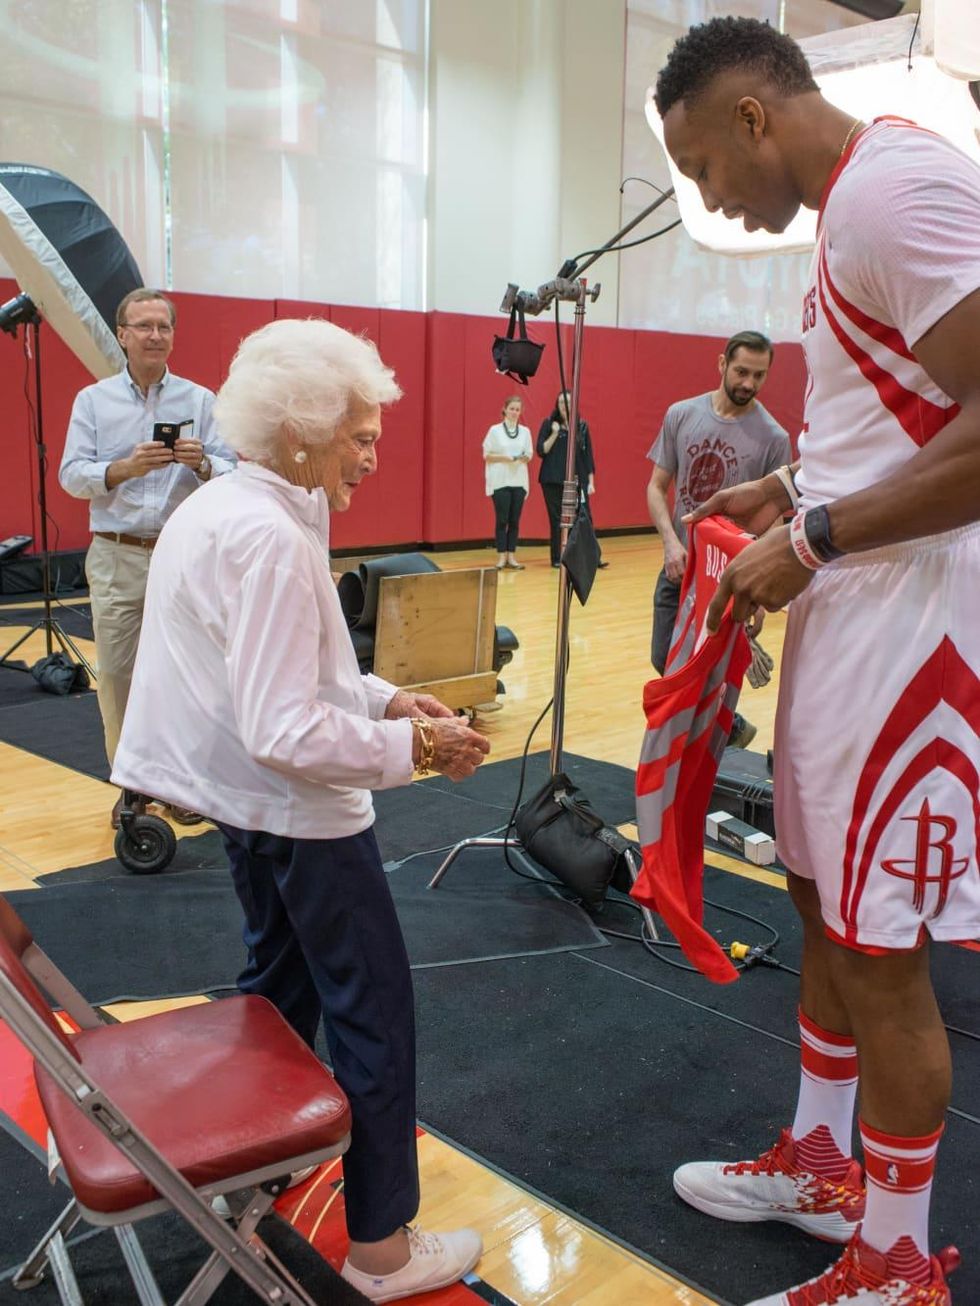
pixel 165 1113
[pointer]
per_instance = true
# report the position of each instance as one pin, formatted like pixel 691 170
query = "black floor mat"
pixel 180 932
pixel 66 730
pixel 172 1249
pixel 31 1204
pixel 592 1087
pixel 767 998
pixel 75 619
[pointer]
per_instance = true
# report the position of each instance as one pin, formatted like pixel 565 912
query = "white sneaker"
pixel 435 1260
pixel 774 1187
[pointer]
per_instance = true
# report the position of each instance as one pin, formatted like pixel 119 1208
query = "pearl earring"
pixel 299 456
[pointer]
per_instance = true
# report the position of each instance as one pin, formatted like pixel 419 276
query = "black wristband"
pixel 816 524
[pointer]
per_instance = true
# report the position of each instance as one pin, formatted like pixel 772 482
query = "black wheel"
pixel 147 846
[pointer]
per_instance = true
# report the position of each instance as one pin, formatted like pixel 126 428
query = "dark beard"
pixel 736 398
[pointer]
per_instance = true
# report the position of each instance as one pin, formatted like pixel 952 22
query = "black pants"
pixel 552 501
pixel 507 504
pixel 666 599
pixel 323 940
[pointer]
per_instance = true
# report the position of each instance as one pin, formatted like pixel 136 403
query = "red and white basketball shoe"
pixel 861 1278
pixel 775 1187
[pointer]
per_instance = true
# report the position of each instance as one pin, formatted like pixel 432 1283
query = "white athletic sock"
pixel 825 1110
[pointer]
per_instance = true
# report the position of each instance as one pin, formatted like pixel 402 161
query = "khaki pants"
pixel 117 586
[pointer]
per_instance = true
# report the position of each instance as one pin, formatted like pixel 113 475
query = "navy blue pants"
pixel 323 940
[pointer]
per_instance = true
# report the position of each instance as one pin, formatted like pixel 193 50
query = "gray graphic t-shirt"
pixel 705 453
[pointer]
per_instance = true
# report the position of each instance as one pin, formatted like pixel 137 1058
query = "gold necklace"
pixel 847 139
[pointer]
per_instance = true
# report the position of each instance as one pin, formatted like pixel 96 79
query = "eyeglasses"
pixel 147 328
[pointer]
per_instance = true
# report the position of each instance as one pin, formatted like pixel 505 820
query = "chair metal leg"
pixel 32 1271
pixel 139 1268
pixel 215 1268
pixel 62 1273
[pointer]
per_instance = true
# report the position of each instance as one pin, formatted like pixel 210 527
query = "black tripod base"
pixel 55 633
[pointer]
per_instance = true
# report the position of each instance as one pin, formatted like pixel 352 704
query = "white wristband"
pixel 801 545
pixel 786 480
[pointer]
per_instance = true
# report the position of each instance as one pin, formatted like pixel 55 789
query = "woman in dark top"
pixel 552 449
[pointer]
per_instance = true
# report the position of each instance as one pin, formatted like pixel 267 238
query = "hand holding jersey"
pixel 771 576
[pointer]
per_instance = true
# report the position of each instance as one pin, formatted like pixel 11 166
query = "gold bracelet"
pixel 427 745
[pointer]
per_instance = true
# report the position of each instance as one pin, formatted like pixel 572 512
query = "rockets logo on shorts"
pixel 923 869
pixel 916 812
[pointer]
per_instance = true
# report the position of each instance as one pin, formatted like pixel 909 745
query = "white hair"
pixel 299 374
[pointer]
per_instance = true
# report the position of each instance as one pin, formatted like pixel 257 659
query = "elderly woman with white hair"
pixel 247 705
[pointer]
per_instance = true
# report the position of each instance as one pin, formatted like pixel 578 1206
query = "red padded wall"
pixel 429 487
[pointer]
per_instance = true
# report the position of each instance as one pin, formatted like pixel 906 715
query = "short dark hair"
pixel 753 340
pixel 725 44
pixel 144 295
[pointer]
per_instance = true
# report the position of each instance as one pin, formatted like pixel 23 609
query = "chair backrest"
pixel 16 972
pixel 13 928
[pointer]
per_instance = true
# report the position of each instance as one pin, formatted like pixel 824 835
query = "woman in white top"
pixel 507 450
pixel 247 704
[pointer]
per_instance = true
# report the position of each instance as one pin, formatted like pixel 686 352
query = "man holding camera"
pixel 138 444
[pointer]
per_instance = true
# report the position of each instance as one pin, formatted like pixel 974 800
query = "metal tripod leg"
pixel 68 646
pixel 479 841
pixel 648 917
pixel 14 647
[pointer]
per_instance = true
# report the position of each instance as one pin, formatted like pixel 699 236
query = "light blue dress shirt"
pixel 108 420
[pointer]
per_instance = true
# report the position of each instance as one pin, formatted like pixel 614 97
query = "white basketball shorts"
pixel 877 750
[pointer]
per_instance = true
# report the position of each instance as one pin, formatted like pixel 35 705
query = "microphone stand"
pixel 569 284
pixel 53 630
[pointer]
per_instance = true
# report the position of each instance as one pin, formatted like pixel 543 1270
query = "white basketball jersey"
pixel 898 246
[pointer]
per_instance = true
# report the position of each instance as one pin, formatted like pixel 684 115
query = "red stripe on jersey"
pixel 919 418
pixel 885 335
pixel 944 677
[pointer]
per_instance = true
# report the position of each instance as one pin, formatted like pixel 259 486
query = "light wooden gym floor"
pixel 54 817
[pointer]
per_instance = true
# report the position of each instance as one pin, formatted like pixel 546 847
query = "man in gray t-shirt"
pixel 707 444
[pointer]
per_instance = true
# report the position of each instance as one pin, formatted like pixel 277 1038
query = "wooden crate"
pixel 434 634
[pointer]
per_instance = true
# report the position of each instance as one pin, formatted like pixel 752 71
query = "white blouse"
pixel 247 704
pixel 497 441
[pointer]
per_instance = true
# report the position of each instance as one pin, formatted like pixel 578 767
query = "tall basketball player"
pixel 877 742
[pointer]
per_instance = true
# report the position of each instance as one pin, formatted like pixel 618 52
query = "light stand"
pixel 22 311
pixel 568 285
